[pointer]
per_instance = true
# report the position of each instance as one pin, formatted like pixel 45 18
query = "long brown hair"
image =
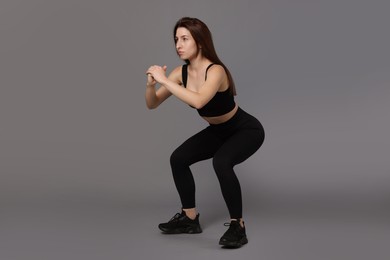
pixel 203 38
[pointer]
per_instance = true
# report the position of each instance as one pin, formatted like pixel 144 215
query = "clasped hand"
pixel 157 73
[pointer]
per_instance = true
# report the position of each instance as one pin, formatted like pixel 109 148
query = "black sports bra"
pixel 220 104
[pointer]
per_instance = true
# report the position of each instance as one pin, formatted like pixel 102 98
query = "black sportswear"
pixel 235 236
pixel 228 144
pixel 180 223
pixel 220 104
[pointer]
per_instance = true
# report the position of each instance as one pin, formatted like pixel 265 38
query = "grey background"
pixel 85 166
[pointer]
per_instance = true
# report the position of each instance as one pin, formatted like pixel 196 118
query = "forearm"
pixel 150 96
pixel 187 96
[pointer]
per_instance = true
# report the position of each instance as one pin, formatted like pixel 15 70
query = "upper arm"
pixel 216 76
pixel 163 93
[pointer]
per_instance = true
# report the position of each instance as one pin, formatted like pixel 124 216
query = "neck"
pixel 198 62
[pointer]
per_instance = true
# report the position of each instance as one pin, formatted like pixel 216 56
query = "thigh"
pixel 241 145
pixel 198 147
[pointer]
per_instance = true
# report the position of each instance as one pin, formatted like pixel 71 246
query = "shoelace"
pixel 232 228
pixel 228 224
pixel 176 217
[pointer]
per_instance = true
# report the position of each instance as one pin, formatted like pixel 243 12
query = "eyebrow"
pixel 181 36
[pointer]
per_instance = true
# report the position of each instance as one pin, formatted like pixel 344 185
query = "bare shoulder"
pixel 216 71
pixel 217 68
pixel 175 74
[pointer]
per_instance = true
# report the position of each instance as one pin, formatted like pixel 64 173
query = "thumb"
pixel 165 67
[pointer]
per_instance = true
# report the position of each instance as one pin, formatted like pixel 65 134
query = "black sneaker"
pixel 235 236
pixel 180 223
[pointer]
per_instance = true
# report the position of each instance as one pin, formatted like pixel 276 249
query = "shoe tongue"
pixel 235 223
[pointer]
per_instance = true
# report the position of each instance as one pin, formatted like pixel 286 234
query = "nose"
pixel 178 45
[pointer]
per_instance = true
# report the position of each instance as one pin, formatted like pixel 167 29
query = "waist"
pixel 216 120
pixel 240 120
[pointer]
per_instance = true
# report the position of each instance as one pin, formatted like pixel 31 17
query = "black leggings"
pixel 229 144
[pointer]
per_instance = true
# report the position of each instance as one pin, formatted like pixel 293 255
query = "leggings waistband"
pixel 240 119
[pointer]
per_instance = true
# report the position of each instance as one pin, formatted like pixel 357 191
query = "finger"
pixel 149 75
pixel 149 71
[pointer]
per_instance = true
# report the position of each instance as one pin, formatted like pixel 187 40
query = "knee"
pixel 178 158
pixel 174 159
pixel 221 165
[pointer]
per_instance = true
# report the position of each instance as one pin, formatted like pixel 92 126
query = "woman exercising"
pixel 231 137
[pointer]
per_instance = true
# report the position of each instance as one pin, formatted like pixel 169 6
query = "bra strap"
pixel 184 74
pixel 205 77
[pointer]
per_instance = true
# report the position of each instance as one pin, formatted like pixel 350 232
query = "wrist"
pixel 150 85
pixel 165 81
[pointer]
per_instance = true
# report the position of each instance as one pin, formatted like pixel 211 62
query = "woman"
pixel 232 135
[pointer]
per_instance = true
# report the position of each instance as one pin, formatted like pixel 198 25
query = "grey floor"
pixel 88 228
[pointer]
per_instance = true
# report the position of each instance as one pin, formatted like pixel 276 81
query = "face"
pixel 186 46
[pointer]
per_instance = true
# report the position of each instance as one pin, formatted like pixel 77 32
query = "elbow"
pixel 150 107
pixel 151 104
pixel 197 107
pixel 199 104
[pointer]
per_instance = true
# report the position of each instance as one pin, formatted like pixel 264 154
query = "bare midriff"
pixel 215 120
